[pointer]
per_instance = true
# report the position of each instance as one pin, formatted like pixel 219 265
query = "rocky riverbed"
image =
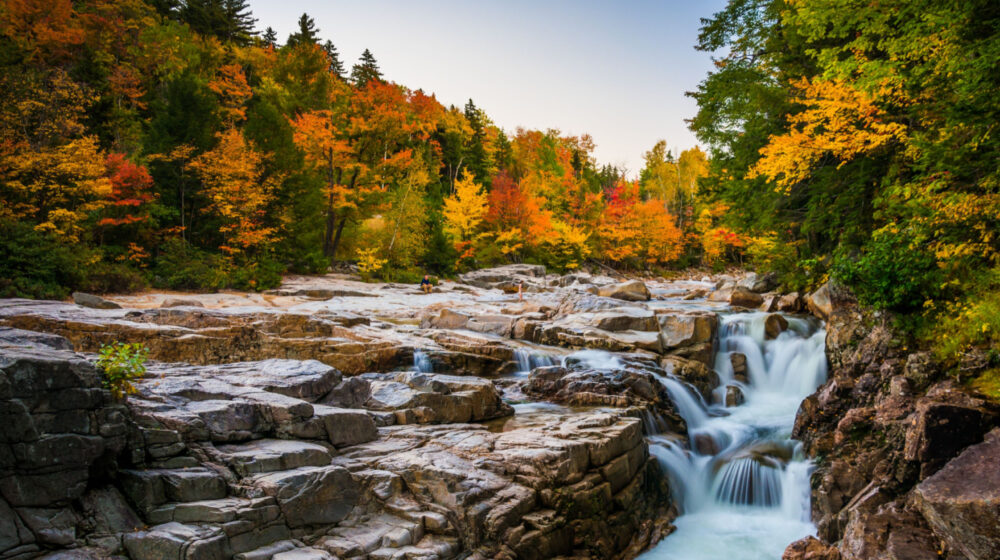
pixel 337 419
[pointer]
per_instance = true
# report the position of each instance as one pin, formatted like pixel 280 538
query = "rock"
pixel 626 318
pixel 961 502
pixel 742 297
pixel 447 319
pixel 270 455
pixel 939 430
pixel 509 274
pixel 734 396
pixel 181 302
pixel 790 303
pixel 424 398
pixel 820 302
pixel 633 290
pixel 723 293
pixel 891 531
pixel 759 283
pixel 774 325
pixel 680 330
pixel 810 548
pixel 92 301
pixel 176 540
pixel 310 495
pixel 18 337
pixel 739 363
pixel 692 372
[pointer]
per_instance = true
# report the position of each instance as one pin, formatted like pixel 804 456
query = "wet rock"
pixel 692 372
pixel 734 396
pixel 633 290
pixel 961 502
pixel 742 297
pixel 774 325
pixel 891 532
pixel 94 302
pixel 810 548
pixel 739 363
pixel 680 330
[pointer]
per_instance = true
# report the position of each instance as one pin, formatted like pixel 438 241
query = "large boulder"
pixel 626 319
pixel 742 297
pixel 961 502
pixel 820 302
pixel 774 325
pixel 501 276
pixel 759 283
pixel 633 290
pixel 810 548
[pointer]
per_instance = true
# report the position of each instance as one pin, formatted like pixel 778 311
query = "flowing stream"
pixel 740 481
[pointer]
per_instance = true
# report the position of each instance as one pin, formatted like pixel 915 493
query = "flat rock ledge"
pixel 288 459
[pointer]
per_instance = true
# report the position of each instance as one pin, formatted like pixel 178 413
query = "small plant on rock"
pixel 120 363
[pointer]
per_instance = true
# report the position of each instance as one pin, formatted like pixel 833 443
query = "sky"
pixel 615 70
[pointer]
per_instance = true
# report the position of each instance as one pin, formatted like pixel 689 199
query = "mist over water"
pixel 741 482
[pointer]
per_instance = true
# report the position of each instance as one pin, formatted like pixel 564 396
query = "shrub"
pixel 36 265
pixel 182 266
pixel 117 278
pixel 120 363
pixel 892 272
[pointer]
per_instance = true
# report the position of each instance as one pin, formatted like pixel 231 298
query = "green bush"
pixel 259 275
pixel 891 272
pixel 36 265
pixel 103 278
pixel 181 266
pixel 120 363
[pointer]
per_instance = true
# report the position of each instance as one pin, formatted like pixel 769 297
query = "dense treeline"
pixel 860 141
pixel 169 143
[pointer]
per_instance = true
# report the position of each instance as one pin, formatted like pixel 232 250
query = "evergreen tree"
pixel 306 34
pixel 365 70
pixel 479 160
pixel 229 20
pixel 270 37
pixel 336 66
pixel 166 8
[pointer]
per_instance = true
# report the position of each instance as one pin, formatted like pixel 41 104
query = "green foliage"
pixel 36 265
pixel 181 266
pixel 891 272
pixel 118 278
pixel 120 364
pixel 970 322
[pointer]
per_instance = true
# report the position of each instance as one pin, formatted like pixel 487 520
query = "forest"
pixel 184 145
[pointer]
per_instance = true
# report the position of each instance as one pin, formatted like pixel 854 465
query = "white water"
pixel 528 360
pixel 741 483
pixel 421 362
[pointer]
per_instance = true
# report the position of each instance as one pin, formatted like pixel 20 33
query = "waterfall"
pixel 528 360
pixel 741 482
pixel 421 362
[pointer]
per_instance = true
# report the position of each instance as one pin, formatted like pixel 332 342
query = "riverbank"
pixel 353 420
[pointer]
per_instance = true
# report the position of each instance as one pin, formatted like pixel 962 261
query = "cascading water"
pixel 742 483
pixel 421 362
pixel 528 360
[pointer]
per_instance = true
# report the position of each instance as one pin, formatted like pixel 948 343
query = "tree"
pixel 239 192
pixel 307 33
pixel 366 70
pixel 229 20
pixel 336 66
pixel 465 209
pixel 270 37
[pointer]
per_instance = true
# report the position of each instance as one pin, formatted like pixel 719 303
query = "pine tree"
pixel 270 37
pixel 365 70
pixel 306 34
pixel 336 66
pixel 229 20
pixel 479 160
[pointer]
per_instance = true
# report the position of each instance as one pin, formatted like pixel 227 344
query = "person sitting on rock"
pixel 426 285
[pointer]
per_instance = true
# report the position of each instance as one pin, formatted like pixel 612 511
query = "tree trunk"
pixel 343 222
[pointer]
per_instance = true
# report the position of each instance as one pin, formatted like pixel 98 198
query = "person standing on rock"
pixel 425 284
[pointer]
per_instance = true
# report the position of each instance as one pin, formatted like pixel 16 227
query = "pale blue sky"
pixel 615 70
